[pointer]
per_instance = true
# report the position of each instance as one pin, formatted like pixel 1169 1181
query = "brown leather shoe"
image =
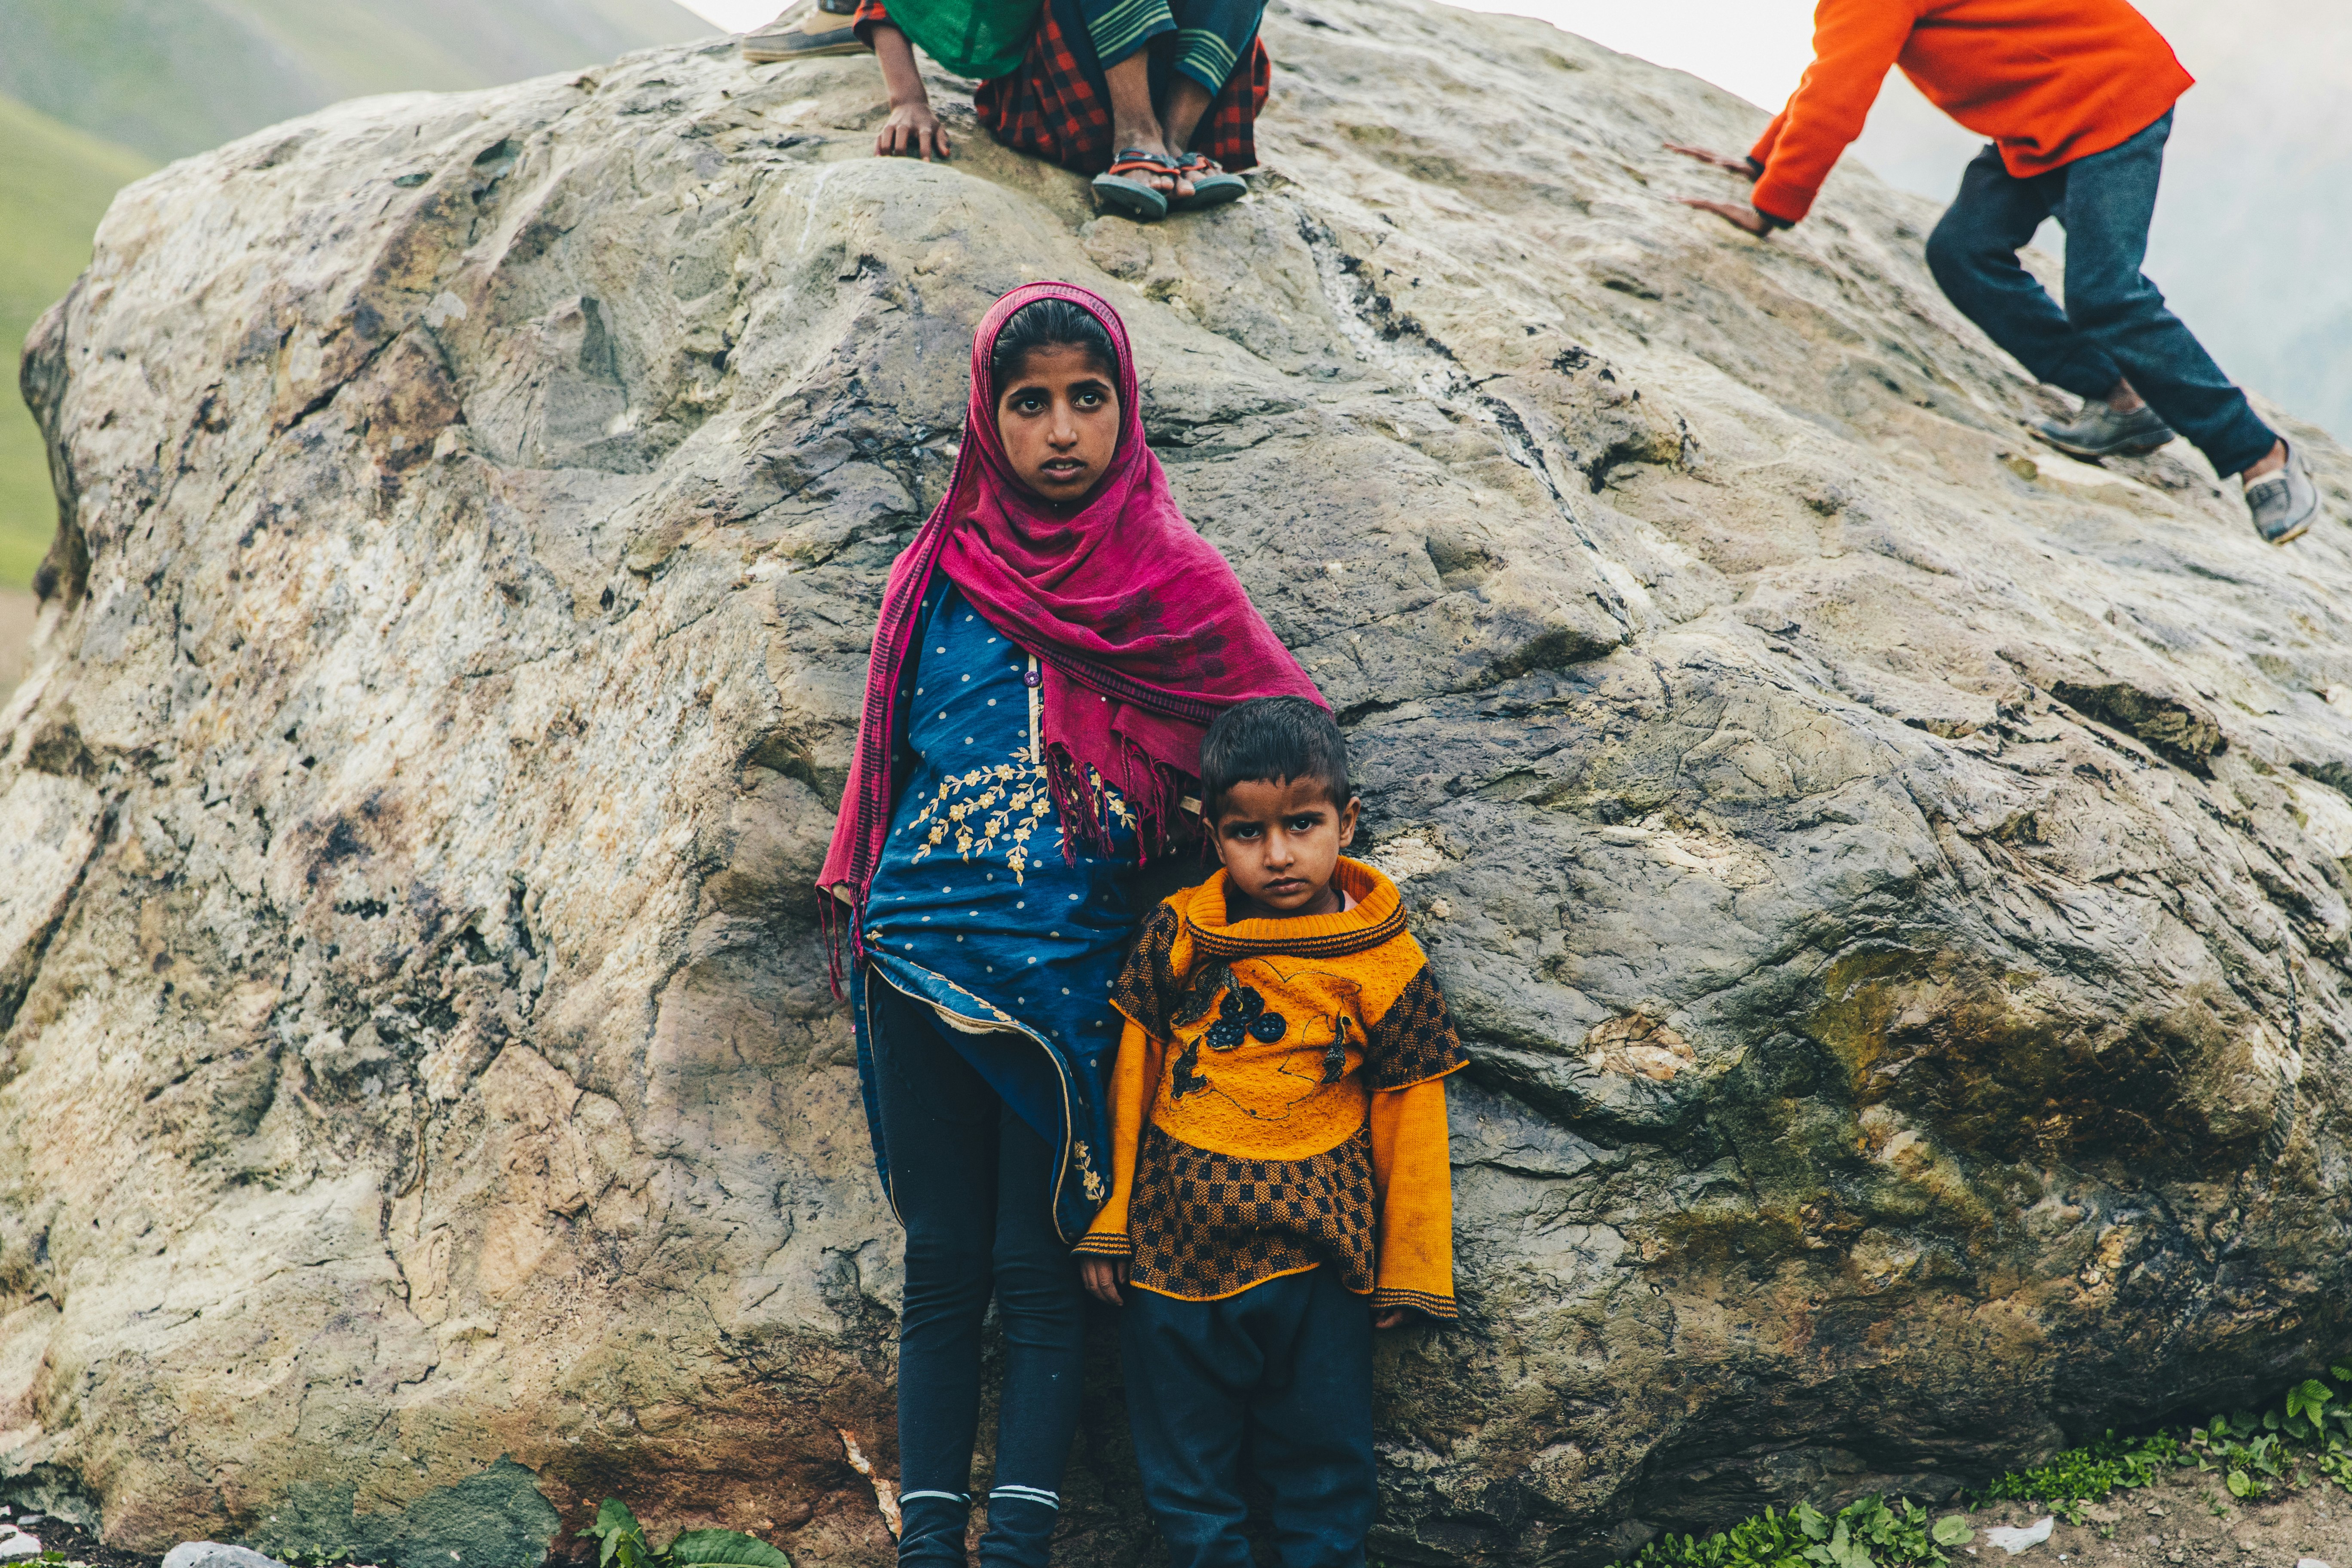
pixel 806 31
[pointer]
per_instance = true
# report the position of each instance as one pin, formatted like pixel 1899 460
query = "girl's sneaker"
pixel 2286 503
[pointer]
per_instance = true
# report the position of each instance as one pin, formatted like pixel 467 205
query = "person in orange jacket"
pixel 2077 96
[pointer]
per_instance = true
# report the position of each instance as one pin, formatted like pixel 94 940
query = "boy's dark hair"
pixel 1045 324
pixel 1273 738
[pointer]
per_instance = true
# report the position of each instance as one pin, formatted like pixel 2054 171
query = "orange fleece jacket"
pixel 2048 80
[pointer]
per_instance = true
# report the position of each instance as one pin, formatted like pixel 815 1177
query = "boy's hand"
pixel 1736 163
pixel 1102 1277
pixel 1388 1317
pixel 1738 216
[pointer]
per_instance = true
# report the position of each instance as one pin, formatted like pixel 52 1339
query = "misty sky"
pixel 2250 238
pixel 1755 47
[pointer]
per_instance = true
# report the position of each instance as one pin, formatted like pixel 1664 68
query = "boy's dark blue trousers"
pixel 1275 1383
pixel 2114 324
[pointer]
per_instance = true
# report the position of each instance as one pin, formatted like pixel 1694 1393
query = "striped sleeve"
pixel 1414 1041
pixel 1147 986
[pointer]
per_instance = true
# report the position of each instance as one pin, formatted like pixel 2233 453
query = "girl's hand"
pixel 912 129
pixel 1388 1317
pixel 1102 1277
pixel 914 132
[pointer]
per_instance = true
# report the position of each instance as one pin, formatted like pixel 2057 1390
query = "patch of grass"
pixel 1869 1533
pixel 55 183
pixel 2092 1470
pixel 2305 1439
pixel 173 79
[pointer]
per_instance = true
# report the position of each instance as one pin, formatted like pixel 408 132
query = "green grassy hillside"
pixel 174 76
pixel 55 183
pixel 94 93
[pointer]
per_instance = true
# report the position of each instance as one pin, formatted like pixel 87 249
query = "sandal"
pixel 1211 186
pixel 1138 199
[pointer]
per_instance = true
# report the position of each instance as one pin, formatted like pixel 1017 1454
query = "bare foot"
pixel 1136 139
pixel 1134 124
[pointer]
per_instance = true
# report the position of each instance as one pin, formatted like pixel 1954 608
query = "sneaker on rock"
pixel 2099 431
pixel 806 30
pixel 2286 503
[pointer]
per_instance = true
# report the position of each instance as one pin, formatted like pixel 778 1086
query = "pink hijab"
pixel 1140 628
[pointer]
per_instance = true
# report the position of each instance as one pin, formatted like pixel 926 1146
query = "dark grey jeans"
pixel 974 1185
pixel 2114 325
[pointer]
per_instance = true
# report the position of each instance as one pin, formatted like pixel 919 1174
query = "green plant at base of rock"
pixel 1868 1533
pixel 2312 1429
pixel 2099 1467
pixel 621 1543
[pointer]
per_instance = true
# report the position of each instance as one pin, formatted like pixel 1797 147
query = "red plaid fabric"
pixel 1051 107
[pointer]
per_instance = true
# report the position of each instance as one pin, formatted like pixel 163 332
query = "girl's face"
pixel 1058 416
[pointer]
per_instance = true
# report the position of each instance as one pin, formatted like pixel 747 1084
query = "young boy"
pixel 1280 1184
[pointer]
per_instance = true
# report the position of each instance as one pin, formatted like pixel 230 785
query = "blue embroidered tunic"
pixel 975 911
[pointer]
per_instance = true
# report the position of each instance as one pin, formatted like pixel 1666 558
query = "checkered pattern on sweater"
pixel 1205 1224
pixel 1148 984
pixel 1057 108
pixel 1414 1041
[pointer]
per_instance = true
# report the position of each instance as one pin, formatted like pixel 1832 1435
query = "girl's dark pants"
pixel 973 1185
pixel 2114 324
pixel 1281 1374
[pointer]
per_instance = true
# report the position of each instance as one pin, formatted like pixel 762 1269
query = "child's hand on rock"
pixel 1736 215
pixel 914 132
pixel 1388 1317
pixel 1736 163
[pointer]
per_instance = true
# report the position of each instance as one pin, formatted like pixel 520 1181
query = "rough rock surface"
pixel 1893 880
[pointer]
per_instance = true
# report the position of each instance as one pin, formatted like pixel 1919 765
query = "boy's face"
pixel 1280 842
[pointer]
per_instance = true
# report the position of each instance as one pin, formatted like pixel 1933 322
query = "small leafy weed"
pixel 621 1543
pixel 2308 1434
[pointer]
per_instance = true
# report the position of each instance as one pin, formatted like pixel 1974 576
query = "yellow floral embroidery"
pixel 1090 1179
pixel 1003 805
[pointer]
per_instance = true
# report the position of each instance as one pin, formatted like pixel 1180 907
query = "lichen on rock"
pixel 420 1065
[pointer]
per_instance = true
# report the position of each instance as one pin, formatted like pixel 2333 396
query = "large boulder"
pixel 1892 878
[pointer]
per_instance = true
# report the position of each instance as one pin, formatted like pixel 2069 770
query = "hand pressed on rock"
pixel 1388 1317
pixel 913 131
pixel 1737 162
pixel 1738 216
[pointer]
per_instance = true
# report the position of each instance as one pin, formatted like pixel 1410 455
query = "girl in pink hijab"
pixel 1050 649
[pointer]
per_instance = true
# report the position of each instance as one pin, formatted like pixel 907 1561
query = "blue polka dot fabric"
pixel 974 908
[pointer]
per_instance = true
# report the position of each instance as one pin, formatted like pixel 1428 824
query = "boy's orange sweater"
pixel 1279 1103
pixel 2048 80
